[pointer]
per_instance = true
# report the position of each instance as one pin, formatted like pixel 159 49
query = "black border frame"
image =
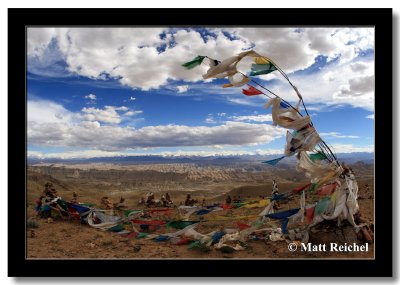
pixel 18 19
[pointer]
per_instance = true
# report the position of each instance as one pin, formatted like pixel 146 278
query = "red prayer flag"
pixel 327 189
pixel 226 207
pixel 310 214
pixel 301 188
pixel 251 91
pixel 242 226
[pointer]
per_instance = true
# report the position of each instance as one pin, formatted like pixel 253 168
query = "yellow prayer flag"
pixel 261 60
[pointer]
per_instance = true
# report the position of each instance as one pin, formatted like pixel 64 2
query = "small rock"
pixel 136 248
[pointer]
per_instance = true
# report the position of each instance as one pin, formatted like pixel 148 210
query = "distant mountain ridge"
pixel 354 157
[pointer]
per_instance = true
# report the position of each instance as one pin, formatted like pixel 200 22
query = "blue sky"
pixel 102 92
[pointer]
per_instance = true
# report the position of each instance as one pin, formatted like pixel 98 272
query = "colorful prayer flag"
pixel 317 156
pixel 273 161
pixel 251 91
pixel 310 214
pixel 258 69
pixel 322 205
pixel 327 189
pixel 301 188
pixel 194 62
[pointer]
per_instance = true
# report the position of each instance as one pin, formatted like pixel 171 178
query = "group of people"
pixel 150 200
pixel 49 200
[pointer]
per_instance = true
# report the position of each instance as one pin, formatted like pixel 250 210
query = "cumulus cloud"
pixel 132 99
pixel 107 115
pixel 372 116
pixel 44 111
pixel 132 55
pixel 334 85
pixel 357 86
pixel 116 138
pixel 91 97
pixel 182 88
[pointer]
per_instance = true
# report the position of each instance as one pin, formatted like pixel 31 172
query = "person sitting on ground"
pixel 275 192
pixel 228 200
pixel 235 199
pixel 142 201
pixel 168 198
pixel 106 202
pixel 164 201
pixel 189 201
pixel 150 199
pixel 120 204
pixel 74 199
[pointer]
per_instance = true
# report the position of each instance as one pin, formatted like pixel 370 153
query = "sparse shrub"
pixel 32 224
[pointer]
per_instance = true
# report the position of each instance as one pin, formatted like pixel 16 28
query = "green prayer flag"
pixel 312 187
pixel 322 205
pixel 317 156
pixel 194 62
pixel 258 69
pixel 116 228
pixel 141 235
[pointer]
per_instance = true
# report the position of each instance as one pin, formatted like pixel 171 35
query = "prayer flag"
pixel 194 62
pixel 251 91
pixel 273 161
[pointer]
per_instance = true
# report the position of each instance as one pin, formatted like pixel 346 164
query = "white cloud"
pixel 254 118
pixel 133 113
pixel 75 154
pixel 91 97
pixel 108 114
pixel 338 135
pixel 122 108
pixel 132 99
pixel 130 55
pixel 43 111
pixel 332 86
pixel 349 148
pixel 118 138
pixel 182 88
pixel 372 116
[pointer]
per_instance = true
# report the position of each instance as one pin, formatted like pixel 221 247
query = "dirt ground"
pixel 73 240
